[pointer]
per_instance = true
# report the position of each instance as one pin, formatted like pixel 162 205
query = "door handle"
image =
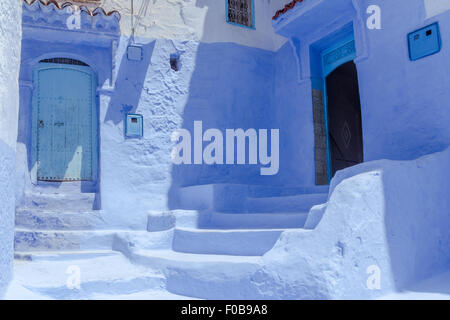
pixel 59 124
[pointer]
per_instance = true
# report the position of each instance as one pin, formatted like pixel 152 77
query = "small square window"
pixel 240 12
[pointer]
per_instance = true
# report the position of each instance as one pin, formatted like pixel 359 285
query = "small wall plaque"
pixel 134 125
pixel 424 42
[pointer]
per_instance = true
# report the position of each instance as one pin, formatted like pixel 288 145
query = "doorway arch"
pixel 328 57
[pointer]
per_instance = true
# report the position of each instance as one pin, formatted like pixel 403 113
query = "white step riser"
pixel 61 241
pixel 241 243
pixel 103 287
pixel 84 201
pixel 257 221
pixel 285 204
pixel 207 280
pixel 38 220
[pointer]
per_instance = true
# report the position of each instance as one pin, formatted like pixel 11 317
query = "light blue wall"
pixel 225 85
pixel 10 17
pixel 293 113
pixel 228 85
pixel 7 169
pixel 404 103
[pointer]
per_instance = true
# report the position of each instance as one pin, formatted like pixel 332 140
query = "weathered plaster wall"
pixel 10 17
pixel 198 20
pixel 225 85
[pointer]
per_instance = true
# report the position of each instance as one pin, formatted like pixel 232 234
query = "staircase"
pixel 183 253
pixel 213 255
pixel 57 230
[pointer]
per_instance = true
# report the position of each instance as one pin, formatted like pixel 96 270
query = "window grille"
pixel 64 61
pixel 240 12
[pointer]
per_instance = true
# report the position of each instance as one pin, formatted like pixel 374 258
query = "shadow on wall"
pixel 414 213
pixel 129 85
pixel 418 217
pixel 232 87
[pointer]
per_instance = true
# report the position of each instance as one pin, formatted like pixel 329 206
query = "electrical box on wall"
pixel 135 53
pixel 134 125
pixel 424 42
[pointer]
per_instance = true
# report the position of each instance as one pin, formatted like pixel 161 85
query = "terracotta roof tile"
pixel 94 12
pixel 287 7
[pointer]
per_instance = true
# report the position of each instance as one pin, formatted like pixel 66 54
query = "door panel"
pixel 344 117
pixel 65 119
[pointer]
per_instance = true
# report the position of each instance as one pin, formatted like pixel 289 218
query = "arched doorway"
pixel 64 125
pixel 345 141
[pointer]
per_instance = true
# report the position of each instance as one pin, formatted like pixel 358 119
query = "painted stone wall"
pixel 10 17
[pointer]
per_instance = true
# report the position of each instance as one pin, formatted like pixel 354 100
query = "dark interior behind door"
pixel 344 117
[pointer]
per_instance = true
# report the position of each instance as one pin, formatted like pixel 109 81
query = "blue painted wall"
pixel 404 103
pixel 226 85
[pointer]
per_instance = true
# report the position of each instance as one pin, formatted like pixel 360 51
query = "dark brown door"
pixel 344 117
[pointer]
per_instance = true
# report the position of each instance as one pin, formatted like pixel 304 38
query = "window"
pixel 241 12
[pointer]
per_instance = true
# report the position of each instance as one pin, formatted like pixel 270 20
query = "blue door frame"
pixel 64 123
pixel 331 58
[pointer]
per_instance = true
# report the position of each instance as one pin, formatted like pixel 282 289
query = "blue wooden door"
pixel 65 122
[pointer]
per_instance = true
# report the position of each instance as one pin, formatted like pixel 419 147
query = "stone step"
pixel 257 220
pixel 99 274
pixel 205 276
pixel 58 219
pixel 62 240
pixel 252 242
pixel 297 203
pixel 60 201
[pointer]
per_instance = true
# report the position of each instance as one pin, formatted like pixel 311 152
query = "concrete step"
pixel 257 220
pixel 74 202
pixel 297 203
pixel 58 219
pixel 62 240
pixel 252 242
pixel 204 276
pixel 99 274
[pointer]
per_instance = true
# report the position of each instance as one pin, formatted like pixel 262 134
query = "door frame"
pixel 326 70
pixel 34 116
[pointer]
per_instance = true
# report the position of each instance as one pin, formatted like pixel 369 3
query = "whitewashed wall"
pixel 10 37
pixel 435 7
pixel 199 20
